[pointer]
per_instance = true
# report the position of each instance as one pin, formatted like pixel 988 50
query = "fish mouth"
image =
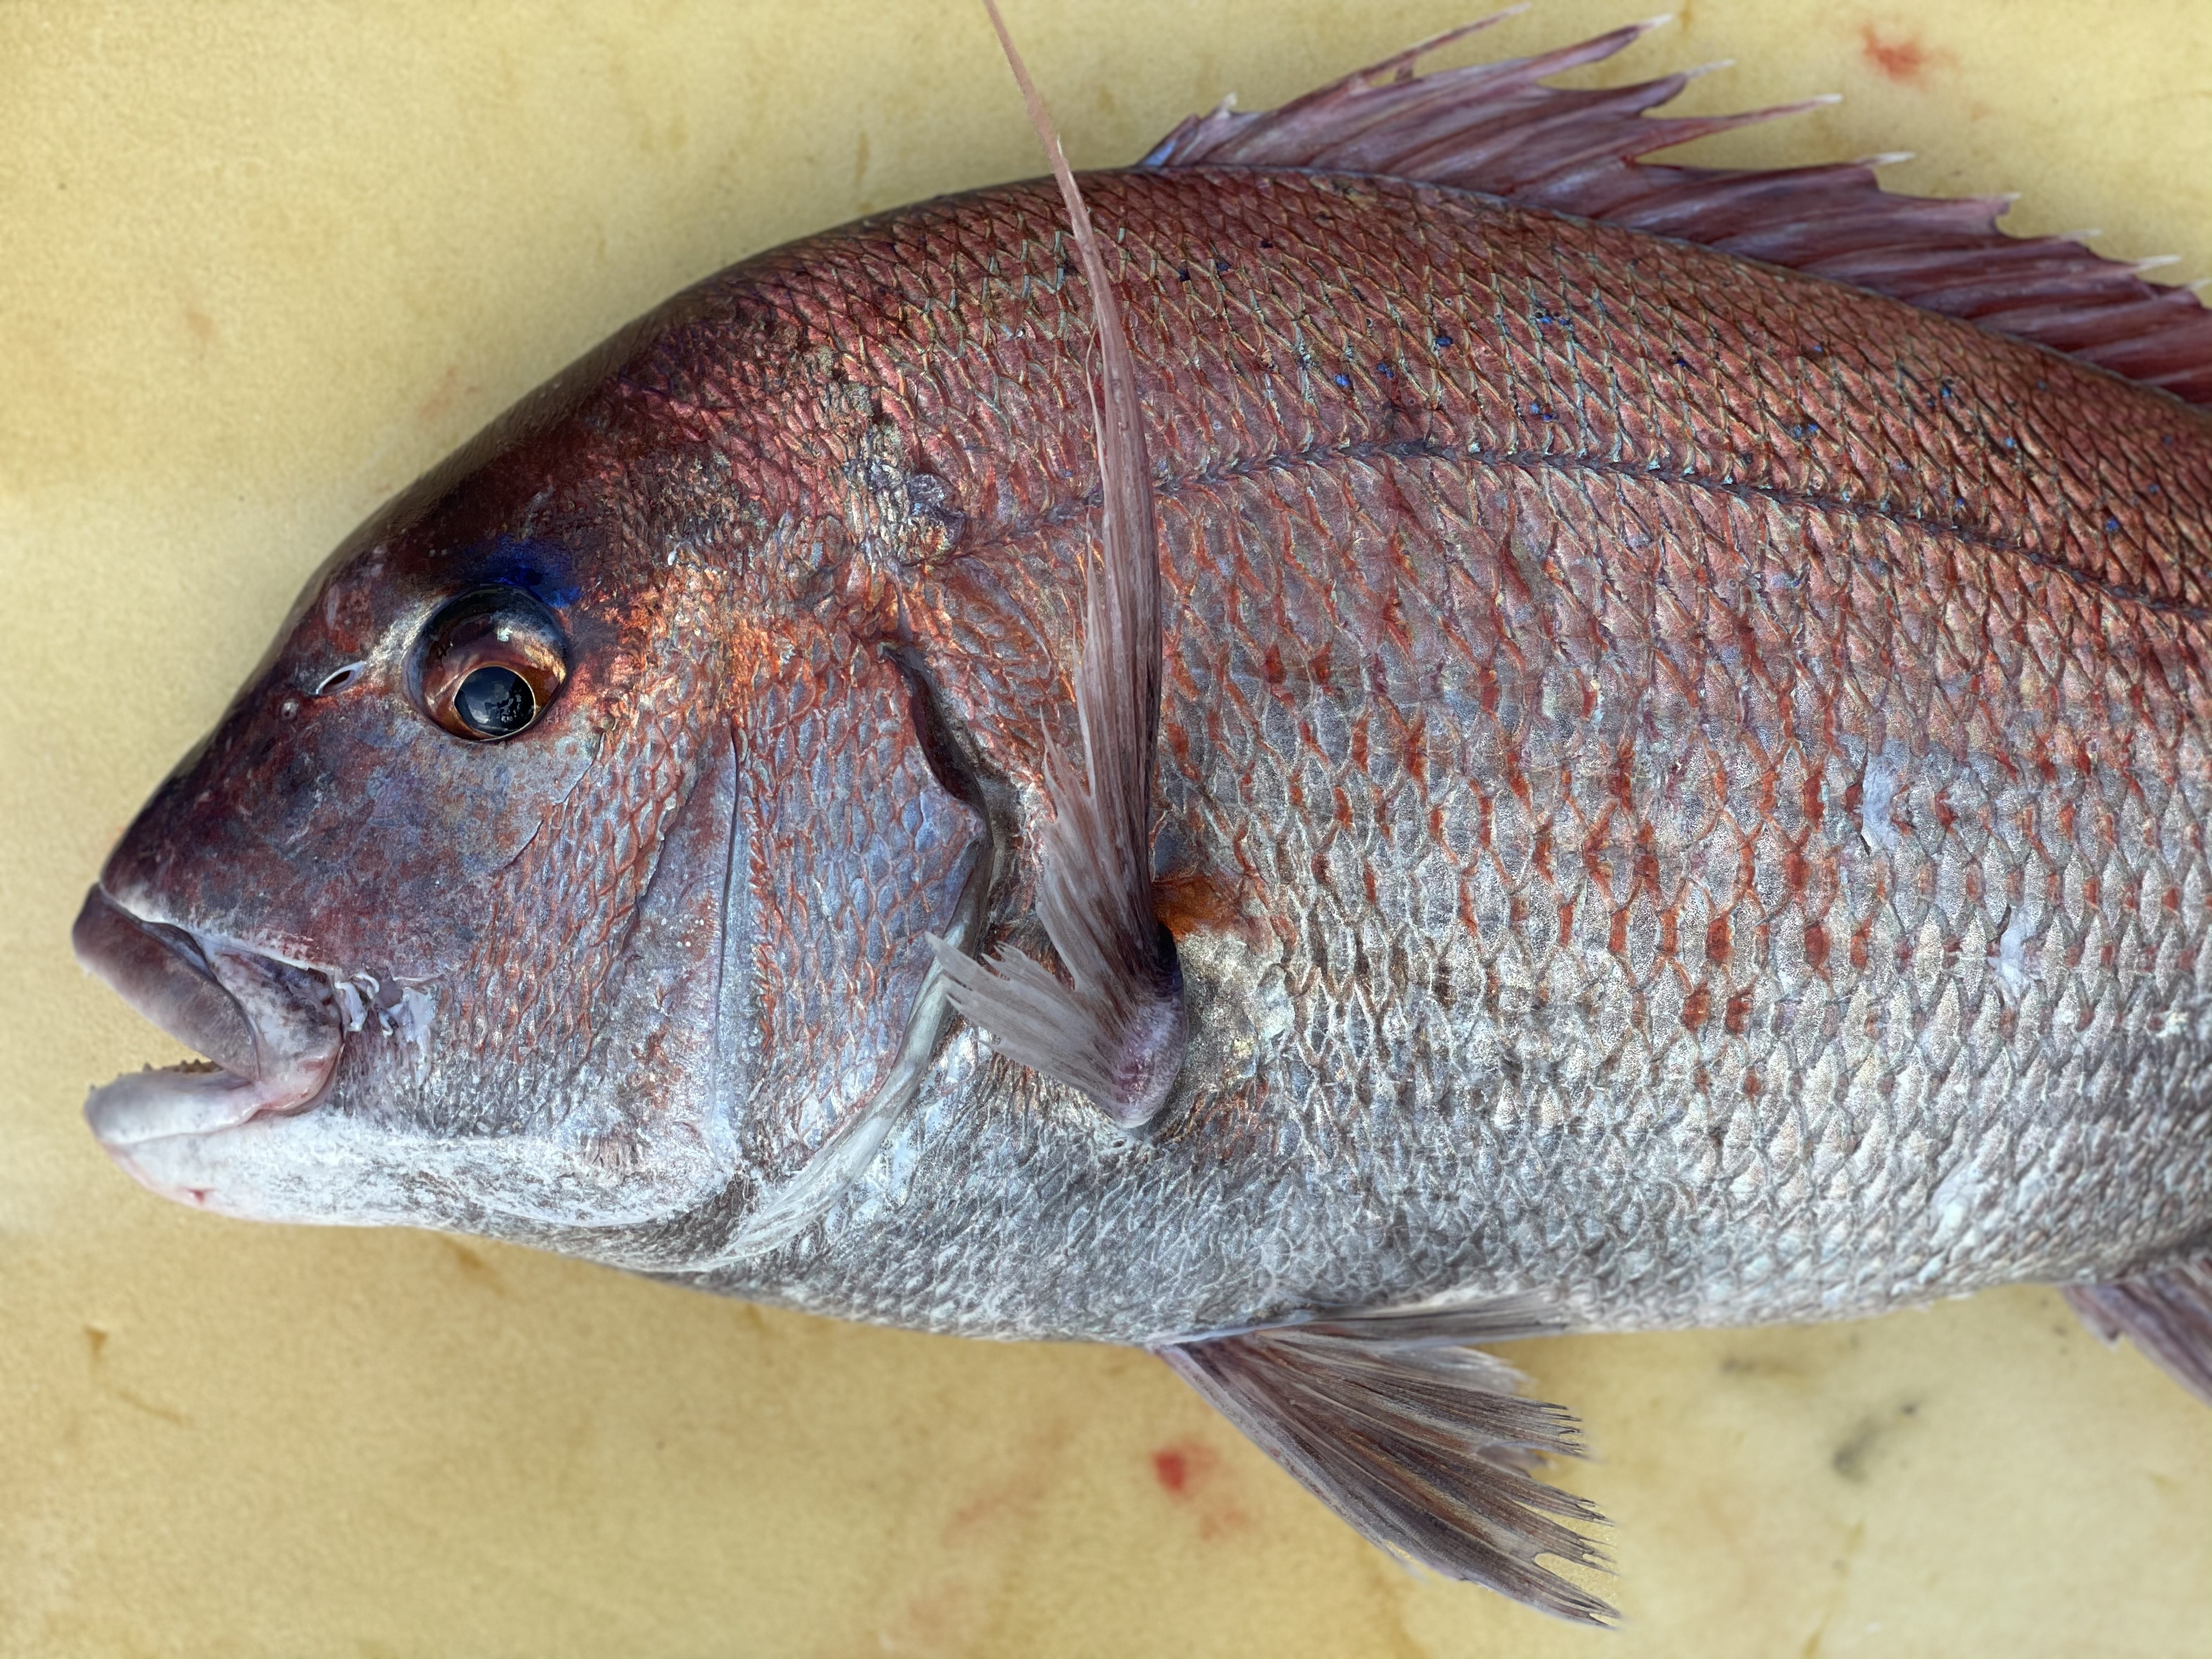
pixel 270 1031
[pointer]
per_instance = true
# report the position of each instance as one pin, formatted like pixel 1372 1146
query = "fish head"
pixel 539 883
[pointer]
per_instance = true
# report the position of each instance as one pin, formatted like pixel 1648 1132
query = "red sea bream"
pixel 1664 781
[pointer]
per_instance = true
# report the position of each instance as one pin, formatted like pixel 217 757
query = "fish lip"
pixel 270 1030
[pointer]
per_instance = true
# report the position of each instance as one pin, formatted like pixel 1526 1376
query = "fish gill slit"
pixel 956 761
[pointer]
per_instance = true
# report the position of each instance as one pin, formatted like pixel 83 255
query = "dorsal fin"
pixel 1495 128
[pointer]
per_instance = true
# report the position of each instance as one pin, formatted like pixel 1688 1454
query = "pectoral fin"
pixel 2167 1313
pixel 1118 1032
pixel 1420 1443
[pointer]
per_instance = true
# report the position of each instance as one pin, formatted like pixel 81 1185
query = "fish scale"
pixel 599 891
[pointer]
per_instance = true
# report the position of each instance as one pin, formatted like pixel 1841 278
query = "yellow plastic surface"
pixel 259 264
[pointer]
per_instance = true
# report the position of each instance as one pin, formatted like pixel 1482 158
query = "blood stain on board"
pixel 940 1619
pixel 1900 58
pixel 1174 1466
pixel 1189 1472
pixel 448 395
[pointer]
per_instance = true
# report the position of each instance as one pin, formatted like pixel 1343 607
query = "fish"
pixel 1666 776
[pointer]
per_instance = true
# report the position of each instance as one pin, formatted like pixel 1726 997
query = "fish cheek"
pixel 855 853
pixel 577 1070
pixel 754 998
pixel 415 847
pixel 586 1119
pixel 637 1101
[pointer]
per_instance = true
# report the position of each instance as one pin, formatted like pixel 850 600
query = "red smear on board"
pixel 1171 1468
pixel 1184 1465
pixel 1187 1471
pixel 1902 59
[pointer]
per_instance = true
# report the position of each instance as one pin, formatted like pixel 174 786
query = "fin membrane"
pixel 1118 1033
pixel 2167 1314
pixel 1495 128
pixel 1421 1443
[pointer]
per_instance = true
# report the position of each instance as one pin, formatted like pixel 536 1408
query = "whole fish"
pixel 1608 746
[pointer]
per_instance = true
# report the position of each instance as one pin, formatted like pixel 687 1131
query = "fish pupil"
pixel 494 702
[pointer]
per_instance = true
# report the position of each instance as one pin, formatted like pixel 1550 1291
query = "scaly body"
pixel 1697 775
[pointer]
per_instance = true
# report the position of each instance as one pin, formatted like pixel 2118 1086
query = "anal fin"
pixel 2166 1313
pixel 1425 1445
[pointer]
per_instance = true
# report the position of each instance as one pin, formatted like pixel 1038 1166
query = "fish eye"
pixel 489 664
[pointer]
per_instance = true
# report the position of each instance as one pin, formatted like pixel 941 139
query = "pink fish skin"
pixel 1682 798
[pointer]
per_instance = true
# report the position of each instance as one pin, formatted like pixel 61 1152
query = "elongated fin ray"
pixel 1495 128
pixel 2167 1314
pixel 1422 1444
pixel 1118 1033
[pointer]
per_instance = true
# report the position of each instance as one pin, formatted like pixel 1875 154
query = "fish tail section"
pixel 1422 1444
pixel 1117 1033
pixel 2166 1313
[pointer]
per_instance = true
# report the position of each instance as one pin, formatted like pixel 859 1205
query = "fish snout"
pixel 270 1031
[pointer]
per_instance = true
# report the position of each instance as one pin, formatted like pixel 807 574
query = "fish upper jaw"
pixel 270 1031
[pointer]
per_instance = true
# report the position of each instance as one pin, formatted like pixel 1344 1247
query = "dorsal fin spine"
pixel 1496 129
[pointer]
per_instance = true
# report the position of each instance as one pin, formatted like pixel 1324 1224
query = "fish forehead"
pixel 1706 765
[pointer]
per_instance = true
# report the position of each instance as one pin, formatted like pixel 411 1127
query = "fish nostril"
pixel 339 679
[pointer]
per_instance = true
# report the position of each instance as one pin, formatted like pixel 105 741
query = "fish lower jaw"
pixel 144 1120
pixel 198 1098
